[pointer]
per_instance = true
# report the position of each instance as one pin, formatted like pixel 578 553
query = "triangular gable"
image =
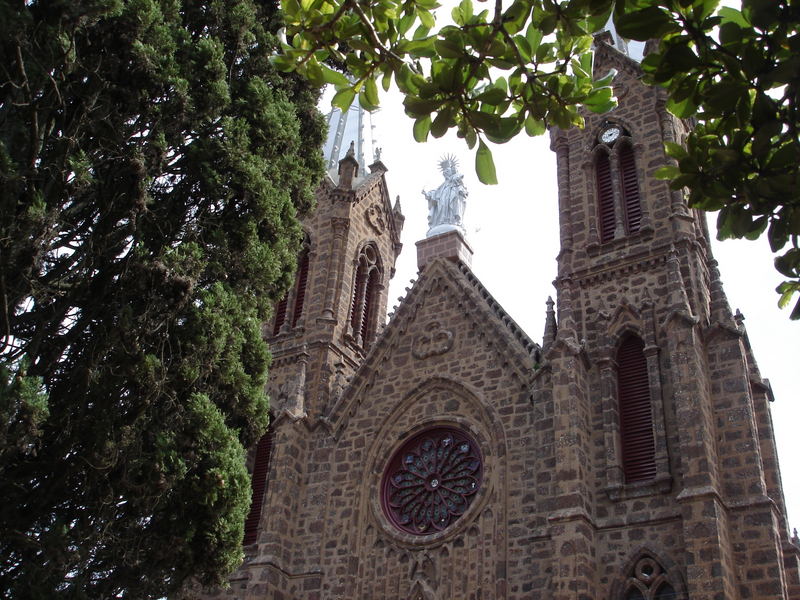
pixel 607 57
pixel 454 284
pixel 363 186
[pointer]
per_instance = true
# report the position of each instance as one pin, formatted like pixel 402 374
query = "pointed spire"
pixel 616 39
pixel 354 124
pixel 739 318
pixel 399 217
pixel 676 292
pixel 348 169
pixel 566 320
pixel 720 309
pixel 550 325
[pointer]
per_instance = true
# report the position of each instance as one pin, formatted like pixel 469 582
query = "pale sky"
pixel 513 230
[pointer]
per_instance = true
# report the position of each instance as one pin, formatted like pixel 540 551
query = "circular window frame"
pixel 412 445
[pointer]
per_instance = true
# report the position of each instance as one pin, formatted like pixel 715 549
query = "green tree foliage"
pixel 153 164
pixel 526 65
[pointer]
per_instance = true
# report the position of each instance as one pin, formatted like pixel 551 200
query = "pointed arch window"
pixel 619 207
pixel 364 303
pixel 635 412
pixel 259 479
pixel 605 197
pixel 629 186
pixel 280 314
pixel 296 296
pixel 300 285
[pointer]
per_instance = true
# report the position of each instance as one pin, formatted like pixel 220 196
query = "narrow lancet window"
pixel 300 286
pixel 297 295
pixel 605 198
pixel 629 185
pixel 280 314
pixel 259 479
pixel 635 412
pixel 364 303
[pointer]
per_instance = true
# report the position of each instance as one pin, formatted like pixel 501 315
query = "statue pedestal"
pixel 450 244
pixel 444 228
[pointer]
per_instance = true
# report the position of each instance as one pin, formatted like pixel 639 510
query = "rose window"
pixel 432 480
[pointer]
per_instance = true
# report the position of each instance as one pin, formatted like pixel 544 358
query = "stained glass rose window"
pixel 431 480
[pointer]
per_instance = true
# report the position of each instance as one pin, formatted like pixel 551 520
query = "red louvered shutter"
pixel 259 486
pixel 280 315
pixel 605 198
pixel 300 295
pixel 370 298
pixel 361 279
pixel 630 189
pixel 635 412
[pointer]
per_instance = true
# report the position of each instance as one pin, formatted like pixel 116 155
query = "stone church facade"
pixel 446 455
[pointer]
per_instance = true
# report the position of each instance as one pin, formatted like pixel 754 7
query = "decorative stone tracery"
pixel 648 579
pixel 431 480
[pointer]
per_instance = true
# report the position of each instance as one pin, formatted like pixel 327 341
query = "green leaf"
pixel 645 24
pixel 427 18
pixel 786 290
pixel 600 100
pixel 785 156
pixel 484 165
pixel 493 95
pixel 282 62
pixel 731 15
pixel 676 151
pixel 421 128
pixel 667 172
pixel 471 137
pixel 371 92
pixel 466 9
pixel 417 107
pixel 448 49
pixel 680 57
pixel 333 77
pixel 757 228
pixel 763 138
pixel 442 122
pixel 405 80
pixel 365 102
pixel 534 36
pixel 683 108
pixel 534 127
pixel 343 99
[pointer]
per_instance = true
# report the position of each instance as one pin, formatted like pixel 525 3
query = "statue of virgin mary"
pixel 447 202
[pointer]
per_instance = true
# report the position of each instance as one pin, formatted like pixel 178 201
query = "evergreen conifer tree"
pixel 153 166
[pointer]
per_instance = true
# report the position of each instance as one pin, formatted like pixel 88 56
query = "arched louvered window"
pixel 364 303
pixel 370 304
pixel 297 294
pixel 635 412
pixel 629 185
pixel 259 479
pixel 280 314
pixel 300 286
pixel 605 197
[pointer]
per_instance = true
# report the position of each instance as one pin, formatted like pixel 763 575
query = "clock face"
pixel 610 134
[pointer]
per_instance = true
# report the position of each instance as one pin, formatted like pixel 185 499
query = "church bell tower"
pixel 320 333
pixel 658 391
